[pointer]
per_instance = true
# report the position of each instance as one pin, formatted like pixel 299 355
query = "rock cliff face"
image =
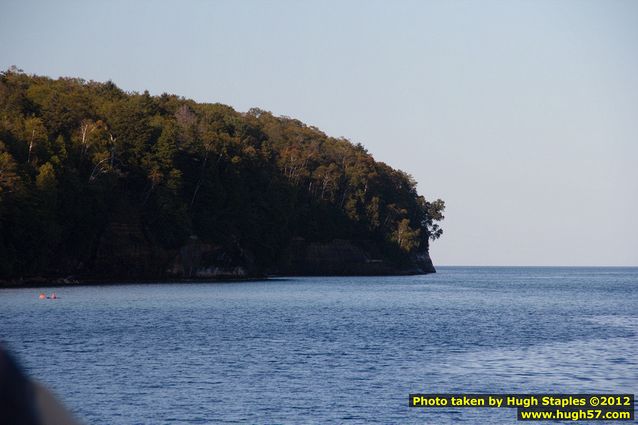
pixel 199 260
pixel 344 257
pixel 424 263
pixel 124 251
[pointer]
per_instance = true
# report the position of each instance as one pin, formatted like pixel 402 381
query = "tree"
pixel 35 134
pixel 434 213
pixel 9 179
pixel 46 180
pixel 406 237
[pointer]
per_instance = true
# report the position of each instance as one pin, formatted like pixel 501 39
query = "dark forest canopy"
pixel 77 156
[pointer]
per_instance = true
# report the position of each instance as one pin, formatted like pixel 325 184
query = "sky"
pixel 521 115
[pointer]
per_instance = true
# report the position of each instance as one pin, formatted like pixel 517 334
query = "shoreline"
pixel 72 281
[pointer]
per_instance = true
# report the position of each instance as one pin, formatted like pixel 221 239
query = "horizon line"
pixel 537 266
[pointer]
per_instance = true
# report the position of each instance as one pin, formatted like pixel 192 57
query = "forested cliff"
pixel 98 183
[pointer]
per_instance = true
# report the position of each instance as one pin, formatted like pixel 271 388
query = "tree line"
pixel 72 152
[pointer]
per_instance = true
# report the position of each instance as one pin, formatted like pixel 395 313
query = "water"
pixel 327 350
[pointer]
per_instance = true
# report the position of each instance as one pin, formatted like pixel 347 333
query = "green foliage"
pixel 45 180
pixel 8 167
pixel 79 155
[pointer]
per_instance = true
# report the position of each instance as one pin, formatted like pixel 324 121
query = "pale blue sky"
pixel 521 115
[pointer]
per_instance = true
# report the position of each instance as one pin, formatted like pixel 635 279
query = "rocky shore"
pixel 126 256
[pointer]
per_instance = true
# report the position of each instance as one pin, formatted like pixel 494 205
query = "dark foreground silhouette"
pixel 25 402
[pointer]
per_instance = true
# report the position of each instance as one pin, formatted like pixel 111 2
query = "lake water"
pixel 327 350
